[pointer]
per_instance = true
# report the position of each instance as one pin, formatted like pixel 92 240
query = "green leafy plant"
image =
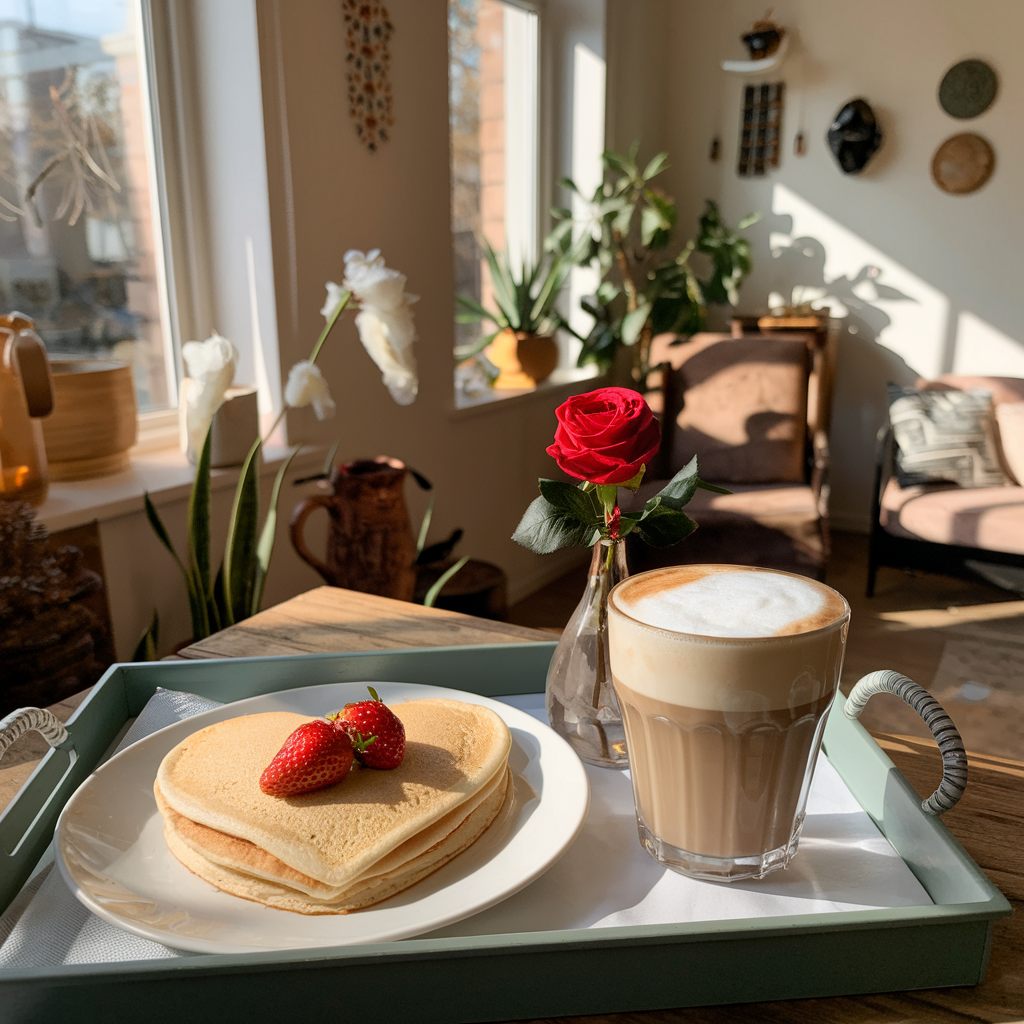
pixel 525 301
pixel 645 291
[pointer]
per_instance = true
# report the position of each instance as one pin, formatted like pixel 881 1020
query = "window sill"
pixel 165 474
pixel 561 383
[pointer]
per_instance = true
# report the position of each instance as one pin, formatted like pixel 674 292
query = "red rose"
pixel 605 436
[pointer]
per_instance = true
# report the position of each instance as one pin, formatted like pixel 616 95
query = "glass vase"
pixel 580 700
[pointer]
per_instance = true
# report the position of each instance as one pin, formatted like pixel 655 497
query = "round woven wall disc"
pixel 963 163
pixel 968 89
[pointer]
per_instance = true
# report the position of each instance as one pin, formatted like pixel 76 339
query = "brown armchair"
pixel 755 411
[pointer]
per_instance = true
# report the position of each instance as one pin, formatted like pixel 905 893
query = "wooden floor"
pixel 914 622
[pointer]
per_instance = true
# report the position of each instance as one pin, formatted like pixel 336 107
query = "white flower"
pixel 371 282
pixel 385 323
pixel 210 366
pixel 306 386
pixel 335 293
pixel 388 338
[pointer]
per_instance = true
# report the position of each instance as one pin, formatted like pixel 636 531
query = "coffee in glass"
pixel 725 675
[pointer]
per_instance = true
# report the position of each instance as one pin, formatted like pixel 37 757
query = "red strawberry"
pixel 376 732
pixel 317 754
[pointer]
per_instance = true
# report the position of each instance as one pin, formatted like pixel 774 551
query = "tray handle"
pixel 951 746
pixel 19 722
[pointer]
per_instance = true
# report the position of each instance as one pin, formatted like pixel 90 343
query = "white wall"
pixel 947 296
pixel 329 194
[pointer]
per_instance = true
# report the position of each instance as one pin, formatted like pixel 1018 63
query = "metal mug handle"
pixel 951 746
pixel 19 722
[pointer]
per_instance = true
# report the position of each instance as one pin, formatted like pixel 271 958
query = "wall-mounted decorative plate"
pixel 968 89
pixel 963 163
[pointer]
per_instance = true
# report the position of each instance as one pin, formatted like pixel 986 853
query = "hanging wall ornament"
pixel 854 136
pixel 760 129
pixel 963 163
pixel 968 89
pixel 367 33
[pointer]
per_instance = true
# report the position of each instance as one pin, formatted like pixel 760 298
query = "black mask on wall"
pixel 854 136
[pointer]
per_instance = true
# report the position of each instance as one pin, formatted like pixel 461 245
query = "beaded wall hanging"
pixel 367 33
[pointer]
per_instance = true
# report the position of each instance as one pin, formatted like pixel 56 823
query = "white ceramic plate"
pixel 111 851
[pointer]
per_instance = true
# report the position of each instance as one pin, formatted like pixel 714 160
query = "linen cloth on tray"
pixel 604 880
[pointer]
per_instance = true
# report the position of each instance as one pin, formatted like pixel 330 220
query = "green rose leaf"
pixel 705 486
pixel 545 528
pixel 680 489
pixel 568 498
pixel 663 526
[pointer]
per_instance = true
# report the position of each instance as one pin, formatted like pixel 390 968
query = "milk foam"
pixel 725 638
pixel 740 604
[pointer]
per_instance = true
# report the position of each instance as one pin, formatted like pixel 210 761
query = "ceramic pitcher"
pixel 370 543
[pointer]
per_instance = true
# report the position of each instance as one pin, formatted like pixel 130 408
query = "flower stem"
pixel 345 299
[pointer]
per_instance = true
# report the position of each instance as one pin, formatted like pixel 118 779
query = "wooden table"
pixel 989 821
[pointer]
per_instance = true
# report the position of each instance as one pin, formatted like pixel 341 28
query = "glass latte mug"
pixel 725 675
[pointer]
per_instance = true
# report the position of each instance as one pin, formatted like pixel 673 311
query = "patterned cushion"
pixel 1010 417
pixel 944 435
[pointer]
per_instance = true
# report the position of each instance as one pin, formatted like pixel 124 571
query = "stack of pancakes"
pixel 350 845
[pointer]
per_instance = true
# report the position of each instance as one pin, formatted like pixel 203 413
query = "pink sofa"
pixel 940 527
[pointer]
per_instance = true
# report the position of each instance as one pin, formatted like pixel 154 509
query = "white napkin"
pixel 46 926
pixel 604 880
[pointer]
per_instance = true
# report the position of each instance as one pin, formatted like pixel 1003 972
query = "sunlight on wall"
pixel 983 350
pixel 588 75
pixel 819 260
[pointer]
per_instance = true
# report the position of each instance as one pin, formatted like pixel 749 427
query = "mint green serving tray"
pixel 507 976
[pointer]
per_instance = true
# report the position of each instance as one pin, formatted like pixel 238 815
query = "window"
pixel 81 247
pixel 493 124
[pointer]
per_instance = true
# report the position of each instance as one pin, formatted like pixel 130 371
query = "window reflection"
pixel 77 230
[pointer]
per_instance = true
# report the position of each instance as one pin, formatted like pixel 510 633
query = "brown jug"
pixel 370 543
pixel 26 395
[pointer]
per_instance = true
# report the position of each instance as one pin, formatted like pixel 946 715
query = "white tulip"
pixel 387 337
pixel 371 282
pixel 335 293
pixel 210 366
pixel 385 323
pixel 306 386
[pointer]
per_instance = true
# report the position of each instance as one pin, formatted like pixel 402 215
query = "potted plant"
pixel 523 347
pixel 644 290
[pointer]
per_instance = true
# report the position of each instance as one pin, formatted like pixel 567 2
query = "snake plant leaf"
pixel 197 534
pixel 240 550
pixel 470 311
pixel 503 287
pixel 465 352
pixel 421 541
pixel 265 546
pixel 161 533
pixel 433 593
pixel 218 595
pixel 149 642
pixel 329 461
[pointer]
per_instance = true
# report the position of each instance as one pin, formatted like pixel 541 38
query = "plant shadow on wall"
pixel 797 273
